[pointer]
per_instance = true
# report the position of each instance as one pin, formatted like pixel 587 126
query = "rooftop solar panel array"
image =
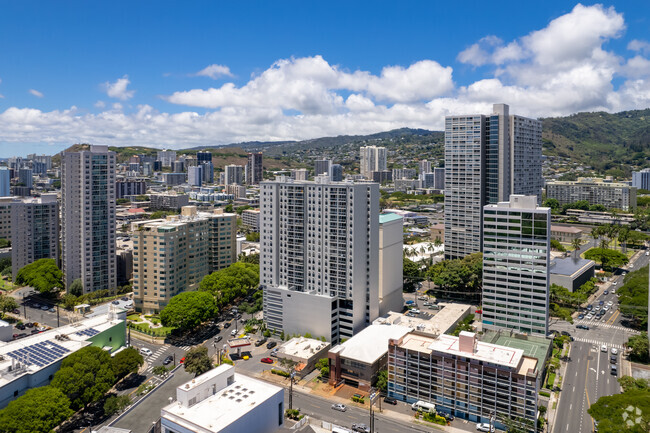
pixel 90 332
pixel 39 354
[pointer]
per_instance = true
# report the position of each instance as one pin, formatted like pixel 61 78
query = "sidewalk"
pixel 556 396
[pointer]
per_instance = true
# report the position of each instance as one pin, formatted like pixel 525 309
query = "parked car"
pixel 168 360
pixel 274 353
pixel 340 407
pixel 233 332
pixel 16 311
pixel 485 427
pixel 125 298
pixel 45 307
pixel 361 428
pixel 271 345
pixel 20 326
pixel 115 302
pixel 182 361
pixel 218 338
pixel 446 415
pixel 581 316
pixel 615 283
pixel 226 325
pixel 565 333
pixel 606 292
pixel 266 360
pixel 29 324
pixel 258 343
pixel 146 352
pixel 51 310
pixel 390 400
pixel 589 307
pixel 415 311
pixel 422 298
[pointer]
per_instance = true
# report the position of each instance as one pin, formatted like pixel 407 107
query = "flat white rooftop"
pixel 41 350
pixel 486 352
pixel 370 344
pixel 445 319
pixel 227 405
pixel 301 347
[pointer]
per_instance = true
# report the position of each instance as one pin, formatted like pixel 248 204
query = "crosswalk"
pixel 151 359
pixel 599 343
pixel 604 325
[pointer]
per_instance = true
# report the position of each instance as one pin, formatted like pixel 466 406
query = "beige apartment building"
pixel 173 255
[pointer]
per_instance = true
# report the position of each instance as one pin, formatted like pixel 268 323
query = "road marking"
pixel 587 393
pixel 574 388
pixel 594 370
pixel 571 405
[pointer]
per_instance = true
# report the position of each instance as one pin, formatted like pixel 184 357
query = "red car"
pixel 182 360
pixel 267 360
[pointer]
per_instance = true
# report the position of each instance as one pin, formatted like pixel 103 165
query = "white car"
pixel 589 316
pixel 233 332
pixel 605 308
pixel 603 348
pixel 415 311
pixel 340 407
pixel 146 352
pixel 485 427
pixel 610 303
pixel 647 253
pixel 614 351
pixel 615 283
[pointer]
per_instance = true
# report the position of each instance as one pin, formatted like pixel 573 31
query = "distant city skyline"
pixel 195 74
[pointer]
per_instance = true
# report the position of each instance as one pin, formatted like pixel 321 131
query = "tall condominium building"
pixel 439 178
pixel 471 379
pixel 208 172
pixel 319 266
pixel 640 179
pixel 5 182
pixel 254 170
pixel 178 166
pixel 336 172
pixel 300 174
pixel 125 187
pixel 25 177
pixel 88 217
pixel 373 158
pixel 34 230
pixel 516 262
pixel 233 174
pixel 44 159
pixel 487 158
pixel 612 195
pixel 202 157
pixel 195 176
pixel 424 166
pixel 5 217
pixel 322 166
pixel 404 173
pixel 166 157
pixel 173 255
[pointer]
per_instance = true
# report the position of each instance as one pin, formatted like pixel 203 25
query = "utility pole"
pixel 291 376
pixel 58 323
pixel 372 396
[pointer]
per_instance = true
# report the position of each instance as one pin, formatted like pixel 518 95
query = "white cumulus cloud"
pixel 35 93
pixel 215 71
pixel 118 89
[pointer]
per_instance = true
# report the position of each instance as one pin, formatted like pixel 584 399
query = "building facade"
pixel 254 170
pixel 641 179
pixel 319 256
pixel 373 158
pixel 322 166
pixel 127 187
pixel 612 195
pixel 5 182
pixel 173 179
pixel 35 231
pixel 166 157
pixel 195 176
pixel 516 261
pixel 173 255
pixel 467 378
pixel 25 177
pixel 487 158
pixel 88 218
pixel 404 173
pixel 5 217
pixel 251 219
pixel 168 201
pixel 424 166
pixel 336 172
pixel 233 174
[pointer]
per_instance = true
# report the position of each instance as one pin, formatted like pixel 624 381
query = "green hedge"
pixel 280 372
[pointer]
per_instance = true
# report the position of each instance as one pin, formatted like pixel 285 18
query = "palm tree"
pixel 576 243
pixel 623 237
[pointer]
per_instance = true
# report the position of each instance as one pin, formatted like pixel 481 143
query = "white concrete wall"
pixel 390 266
pixel 309 313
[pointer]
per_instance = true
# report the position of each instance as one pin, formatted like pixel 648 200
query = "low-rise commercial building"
pixel 468 378
pixel 32 361
pixel 437 231
pixel 571 272
pixel 304 352
pixel 566 234
pixel 222 401
pixel 613 195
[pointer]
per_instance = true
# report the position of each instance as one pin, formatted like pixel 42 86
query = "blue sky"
pixel 129 73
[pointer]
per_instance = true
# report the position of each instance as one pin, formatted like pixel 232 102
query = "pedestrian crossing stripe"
pixel 598 324
pixel 599 343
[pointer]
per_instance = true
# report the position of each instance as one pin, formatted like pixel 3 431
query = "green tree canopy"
pixel 639 346
pixel 188 310
pixel 412 274
pixel 40 410
pixel 7 303
pixel 459 278
pixel 197 360
pixel 76 288
pixel 556 245
pixel 609 259
pixel 382 380
pixel 127 361
pixel 625 412
pixel 633 297
pixel 43 275
pixel 85 376
pixel 232 282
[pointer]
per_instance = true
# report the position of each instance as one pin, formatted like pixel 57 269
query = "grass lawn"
pixel 6 285
pixel 134 317
pixel 550 380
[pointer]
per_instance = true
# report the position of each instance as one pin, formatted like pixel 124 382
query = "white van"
pixel 424 406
